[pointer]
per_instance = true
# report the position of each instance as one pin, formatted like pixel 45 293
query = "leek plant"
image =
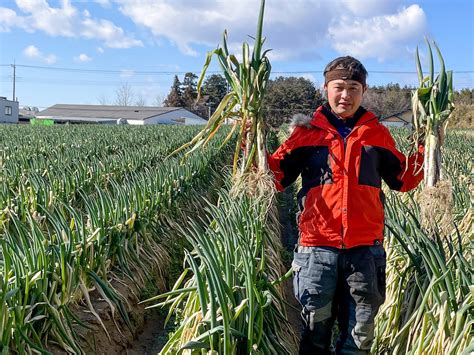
pixel 432 104
pixel 243 104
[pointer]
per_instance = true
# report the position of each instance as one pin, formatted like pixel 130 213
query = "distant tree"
pixel 124 95
pixel 213 91
pixel 175 96
pixel 287 96
pixel 462 116
pixel 465 96
pixel 190 95
pixel 158 100
pixel 387 100
pixel 103 100
pixel 140 101
pixel 189 88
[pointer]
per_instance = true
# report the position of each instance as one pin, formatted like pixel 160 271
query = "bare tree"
pixel 124 95
pixel 103 99
pixel 141 101
pixel 159 99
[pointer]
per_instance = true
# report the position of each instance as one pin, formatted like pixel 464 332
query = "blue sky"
pixel 82 51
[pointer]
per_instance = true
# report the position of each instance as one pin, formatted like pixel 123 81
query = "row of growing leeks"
pixel 430 277
pixel 232 303
pixel 52 255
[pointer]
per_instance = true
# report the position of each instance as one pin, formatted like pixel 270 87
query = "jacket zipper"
pixel 344 144
pixel 344 141
pixel 344 209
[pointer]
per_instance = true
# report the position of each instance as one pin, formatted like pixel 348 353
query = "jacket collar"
pixel 320 119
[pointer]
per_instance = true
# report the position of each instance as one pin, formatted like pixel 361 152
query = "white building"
pixel 133 115
pixel 400 119
pixel 8 110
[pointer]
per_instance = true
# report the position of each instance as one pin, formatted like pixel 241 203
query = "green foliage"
pixel 429 278
pixel 432 104
pixel 230 304
pixel 190 94
pixel 213 90
pixel 287 96
pixel 175 96
pixel 78 202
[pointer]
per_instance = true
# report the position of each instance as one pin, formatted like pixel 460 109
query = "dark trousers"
pixel 343 284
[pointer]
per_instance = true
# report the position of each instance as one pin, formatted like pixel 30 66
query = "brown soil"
pixel 153 337
pixel 146 324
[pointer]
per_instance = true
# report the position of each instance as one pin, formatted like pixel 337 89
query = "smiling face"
pixel 344 96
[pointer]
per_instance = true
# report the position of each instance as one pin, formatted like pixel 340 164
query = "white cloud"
pixel 53 21
pixel 289 25
pixel 50 59
pixel 64 21
pixel 100 50
pixel 82 58
pixel 9 19
pixel 106 31
pixel 380 37
pixel 33 52
pixel 309 76
pixel 295 29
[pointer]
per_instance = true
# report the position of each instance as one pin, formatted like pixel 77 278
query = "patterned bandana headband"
pixel 344 74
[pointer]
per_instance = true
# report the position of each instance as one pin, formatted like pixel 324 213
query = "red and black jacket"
pixel 341 200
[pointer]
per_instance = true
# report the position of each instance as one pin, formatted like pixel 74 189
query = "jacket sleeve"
pixel 288 161
pixel 399 172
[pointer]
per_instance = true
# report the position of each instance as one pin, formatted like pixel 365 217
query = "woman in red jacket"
pixel 342 154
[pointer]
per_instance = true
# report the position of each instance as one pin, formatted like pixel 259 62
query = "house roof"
pixel 105 111
pixel 397 117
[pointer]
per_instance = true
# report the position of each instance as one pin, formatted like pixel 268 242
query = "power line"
pixel 151 72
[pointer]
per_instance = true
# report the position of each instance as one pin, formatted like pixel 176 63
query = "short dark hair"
pixel 354 67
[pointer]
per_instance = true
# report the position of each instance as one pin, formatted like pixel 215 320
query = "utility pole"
pixel 209 106
pixel 14 79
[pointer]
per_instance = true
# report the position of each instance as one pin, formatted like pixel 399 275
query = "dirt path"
pixel 289 236
pixel 153 337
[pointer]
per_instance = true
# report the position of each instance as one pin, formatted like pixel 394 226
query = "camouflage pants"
pixel 343 284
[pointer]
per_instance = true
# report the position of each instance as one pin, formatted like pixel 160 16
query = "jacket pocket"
pixel 300 267
pixel 380 260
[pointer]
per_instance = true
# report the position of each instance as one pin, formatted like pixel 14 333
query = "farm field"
pixel 95 219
